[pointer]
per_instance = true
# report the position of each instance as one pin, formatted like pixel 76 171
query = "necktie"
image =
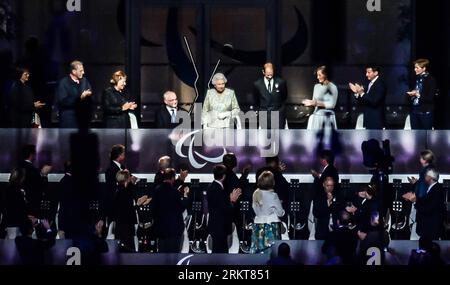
pixel 370 86
pixel 269 86
pixel 173 117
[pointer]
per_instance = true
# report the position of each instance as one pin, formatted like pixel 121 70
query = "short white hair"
pixel 168 93
pixel 217 77
pixel 433 174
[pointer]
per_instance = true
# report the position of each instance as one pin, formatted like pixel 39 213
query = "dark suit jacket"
pixel 164 118
pixel 22 105
pixel 110 189
pixel 430 213
pixel 113 116
pixel 274 101
pixel 68 98
pixel 15 207
pixel 220 211
pixel 34 185
pixel 322 211
pixel 124 210
pixel 31 251
pixel 427 95
pixel 373 105
pixel 168 207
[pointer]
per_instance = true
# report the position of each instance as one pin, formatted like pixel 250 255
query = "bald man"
pixel 166 115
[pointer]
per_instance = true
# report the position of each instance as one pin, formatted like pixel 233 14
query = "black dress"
pixel 22 105
pixel 113 115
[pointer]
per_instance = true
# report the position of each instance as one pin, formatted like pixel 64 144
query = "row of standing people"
pixel 221 106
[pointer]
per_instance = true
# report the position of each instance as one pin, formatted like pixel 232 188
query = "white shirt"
pixel 270 210
pixel 169 109
pixel 266 82
pixel 118 164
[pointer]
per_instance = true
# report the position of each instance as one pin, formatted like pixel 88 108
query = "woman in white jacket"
pixel 268 210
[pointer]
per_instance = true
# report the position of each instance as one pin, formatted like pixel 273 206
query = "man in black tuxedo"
pixel 270 95
pixel 117 156
pixel 35 181
pixel 220 206
pixel 168 208
pixel 372 98
pixel 326 204
pixel 430 208
pixel 166 116
pixel 326 160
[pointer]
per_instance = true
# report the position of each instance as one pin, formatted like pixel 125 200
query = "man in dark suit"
pixel 117 156
pixel 326 204
pixel 430 208
pixel 168 208
pixel 326 160
pixel 270 95
pixel 232 182
pixel 74 91
pixel 372 98
pixel 166 116
pixel 35 181
pixel 220 206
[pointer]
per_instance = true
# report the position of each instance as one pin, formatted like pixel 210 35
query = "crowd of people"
pixel 35 214
pixel 221 104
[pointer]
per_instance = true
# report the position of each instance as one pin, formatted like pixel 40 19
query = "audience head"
pixel 164 162
pixel 284 250
pixel 273 161
pixel 344 219
pixel 29 152
pixel 118 153
pixel 26 227
pixel 328 185
pixel 326 157
pixel 170 99
pixel 229 160
pixel 427 157
pixel 425 244
pixel 77 69
pixel 421 65
pixel 268 70
pixel 266 181
pixel 366 192
pixel 432 176
pixel 169 175
pixel 119 80
pixel 219 80
pixel 372 71
pixel 322 74
pixel 22 74
pixel 123 177
pixel 219 172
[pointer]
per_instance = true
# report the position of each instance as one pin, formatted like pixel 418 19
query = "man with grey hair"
pixel 220 108
pixel 430 208
pixel 74 91
pixel 166 116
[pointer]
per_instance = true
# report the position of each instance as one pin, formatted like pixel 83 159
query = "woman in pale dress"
pixel 221 107
pixel 324 100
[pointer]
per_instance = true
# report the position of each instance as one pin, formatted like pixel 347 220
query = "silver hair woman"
pixel 220 107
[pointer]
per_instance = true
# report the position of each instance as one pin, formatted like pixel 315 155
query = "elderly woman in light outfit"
pixel 221 106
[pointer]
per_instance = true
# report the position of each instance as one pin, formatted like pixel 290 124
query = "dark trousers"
pixel 219 244
pixel 170 245
pixel 125 233
pixel 421 120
